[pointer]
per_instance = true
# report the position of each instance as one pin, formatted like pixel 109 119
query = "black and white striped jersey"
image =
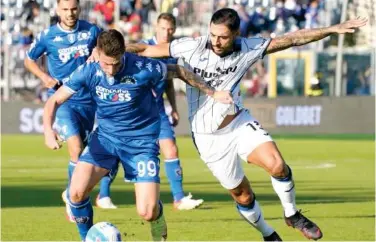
pixel 222 73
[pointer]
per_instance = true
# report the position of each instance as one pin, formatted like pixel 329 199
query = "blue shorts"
pixel 139 157
pixel 167 131
pixel 74 120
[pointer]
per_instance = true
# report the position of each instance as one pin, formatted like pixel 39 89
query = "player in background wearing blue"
pixel 165 29
pixel 67 45
pixel 122 86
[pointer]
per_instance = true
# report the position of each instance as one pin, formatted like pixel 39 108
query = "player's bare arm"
pixel 59 97
pixel 153 51
pixel 171 96
pixel 176 71
pixel 305 36
pixel 46 79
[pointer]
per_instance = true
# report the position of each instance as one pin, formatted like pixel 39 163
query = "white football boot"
pixel 105 203
pixel 187 203
pixel 68 211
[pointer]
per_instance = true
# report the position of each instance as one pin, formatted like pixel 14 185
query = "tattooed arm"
pixel 176 71
pixel 305 36
pixel 154 51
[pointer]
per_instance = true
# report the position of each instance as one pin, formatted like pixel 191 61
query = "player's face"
pixel 222 38
pixel 164 32
pixel 68 11
pixel 110 65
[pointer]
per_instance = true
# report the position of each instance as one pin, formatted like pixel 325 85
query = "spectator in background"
pixel 106 8
pixel 316 88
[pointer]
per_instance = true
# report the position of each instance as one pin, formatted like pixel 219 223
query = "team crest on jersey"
pixel 128 80
pixel 83 35
pixel 71 38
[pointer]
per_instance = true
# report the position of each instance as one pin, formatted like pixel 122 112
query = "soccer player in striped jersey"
pixel 226 133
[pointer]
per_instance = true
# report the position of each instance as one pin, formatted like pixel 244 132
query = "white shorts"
pixel 221 151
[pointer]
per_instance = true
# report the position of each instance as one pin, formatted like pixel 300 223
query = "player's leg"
pixel 103 199
pixel 258 148
pixel 141 165
pixel 68 127
pixel 219 152
pixel 95 162
pixel 173 168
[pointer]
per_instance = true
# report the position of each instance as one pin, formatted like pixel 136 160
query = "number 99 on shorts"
pixel 147 169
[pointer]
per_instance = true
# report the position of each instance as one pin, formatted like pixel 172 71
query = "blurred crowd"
pixel 135 20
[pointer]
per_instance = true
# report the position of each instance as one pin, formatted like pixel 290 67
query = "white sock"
pixel 286 193
pixel 255 218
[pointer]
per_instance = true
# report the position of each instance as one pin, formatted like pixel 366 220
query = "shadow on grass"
pixel 48 196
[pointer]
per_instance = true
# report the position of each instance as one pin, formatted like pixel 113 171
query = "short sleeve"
pixel 255 48
pixel 38 47
pixel 79 78
pixel 185 47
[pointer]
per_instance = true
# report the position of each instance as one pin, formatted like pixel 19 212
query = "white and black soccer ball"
pixel 103 231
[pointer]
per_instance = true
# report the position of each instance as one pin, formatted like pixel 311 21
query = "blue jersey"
pixel 161 89
pixel 65 51
pixel 125 103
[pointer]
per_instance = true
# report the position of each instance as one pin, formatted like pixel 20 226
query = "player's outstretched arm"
pixel 176 71
pixel 59 97
pixel 305 36
pixel 154 51
pixel 33 67
pixel 171 96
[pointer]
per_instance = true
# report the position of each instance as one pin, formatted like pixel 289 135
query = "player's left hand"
pixel 51 139
pixel 175 118
pixel 94 57
pixel 223 97
pixel 350 26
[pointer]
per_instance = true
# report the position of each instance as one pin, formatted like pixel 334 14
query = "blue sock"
pixel 106 181
pixel 175 177
pixel 71 167
pixel 83 214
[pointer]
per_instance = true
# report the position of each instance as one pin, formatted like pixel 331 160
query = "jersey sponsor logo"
pixel 75 52
pixel 71 38
pixel 214 82
pixel 113 95
pixel 128 80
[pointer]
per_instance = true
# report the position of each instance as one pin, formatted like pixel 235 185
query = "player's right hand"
pixel 51 140
pixel 49 82
pixel 223 97
pixel 94 57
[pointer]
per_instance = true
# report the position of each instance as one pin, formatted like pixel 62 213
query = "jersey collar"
pixel 69 31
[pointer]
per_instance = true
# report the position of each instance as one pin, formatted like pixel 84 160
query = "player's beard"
pixel 71 22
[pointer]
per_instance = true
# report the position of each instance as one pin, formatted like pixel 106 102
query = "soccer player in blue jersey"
pixel 122 87
pixel 165 29
pixel 67 45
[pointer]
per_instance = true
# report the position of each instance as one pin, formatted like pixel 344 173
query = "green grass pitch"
pixel 335 186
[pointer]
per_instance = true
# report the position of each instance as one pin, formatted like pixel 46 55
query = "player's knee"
pixel 278 167
pixel 76 196
pixel 148 213
pixel 171 152
pixel 75 153
pixel 245 198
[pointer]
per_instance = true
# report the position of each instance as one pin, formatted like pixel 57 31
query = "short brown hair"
pixel 78 1
pixel 111 42
pixel 168 17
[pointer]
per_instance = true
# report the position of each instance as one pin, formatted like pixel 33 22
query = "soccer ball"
pixel 103 231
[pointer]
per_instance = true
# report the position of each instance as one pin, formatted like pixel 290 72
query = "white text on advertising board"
pixel 302 115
